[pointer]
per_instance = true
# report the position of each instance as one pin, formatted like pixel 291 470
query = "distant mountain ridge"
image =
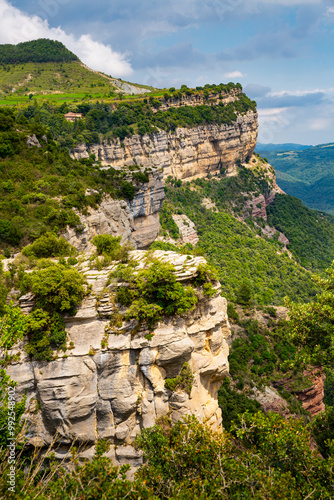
pixel 307 174
pixel 287 146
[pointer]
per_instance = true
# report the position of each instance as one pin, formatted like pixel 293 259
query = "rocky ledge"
pixel 111 384
pixel 187 153
pixel 137 221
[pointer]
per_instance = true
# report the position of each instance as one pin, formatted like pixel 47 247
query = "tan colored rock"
pixel 187 229
pixel 187 153
pixel 137 221
pixel 113 392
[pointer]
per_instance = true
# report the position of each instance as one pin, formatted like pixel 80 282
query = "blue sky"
pixel 281 51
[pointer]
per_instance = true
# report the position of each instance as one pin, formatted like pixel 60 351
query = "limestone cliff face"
pixel 137 221
pixel 187 153
pixel 112 385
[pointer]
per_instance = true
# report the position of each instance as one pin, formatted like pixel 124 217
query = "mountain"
pixel 307 174
pixel 288 146
pixel 46 70
pixel 118 233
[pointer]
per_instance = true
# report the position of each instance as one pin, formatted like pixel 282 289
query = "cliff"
pixel 112 382
pixel 187 153
pixel 137 221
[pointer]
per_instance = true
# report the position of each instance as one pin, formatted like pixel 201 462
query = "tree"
pixel 244 294
pixel 311 326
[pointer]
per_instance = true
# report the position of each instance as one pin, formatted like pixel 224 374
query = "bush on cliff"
pixel 153 292
pixel 56 288
pixel 49 245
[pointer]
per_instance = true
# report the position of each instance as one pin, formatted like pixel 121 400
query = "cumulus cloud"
pixel 234 74
pixel 17 26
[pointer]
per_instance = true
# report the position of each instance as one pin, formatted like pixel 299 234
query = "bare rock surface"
pixel 187 153
pixel 111 384
pixel 186 228
pixel 137 221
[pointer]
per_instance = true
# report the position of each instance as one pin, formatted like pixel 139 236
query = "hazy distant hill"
pixel 287 146
pixel 307 174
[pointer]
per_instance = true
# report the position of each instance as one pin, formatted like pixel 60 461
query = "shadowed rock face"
pixel 187 153
pixel 137 221
pixel 114 391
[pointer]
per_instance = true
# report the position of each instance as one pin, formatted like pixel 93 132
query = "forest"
pixel 43 190
pixel 40 51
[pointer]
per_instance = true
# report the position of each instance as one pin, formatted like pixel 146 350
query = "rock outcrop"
pixel 187 153
pixel 111 385
pixel 312 398
pixel 137 221
pixel 187 229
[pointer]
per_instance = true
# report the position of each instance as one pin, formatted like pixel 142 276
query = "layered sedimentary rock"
pixel 187 229
pixel 137 221
pixel 111 385
pixel 187 153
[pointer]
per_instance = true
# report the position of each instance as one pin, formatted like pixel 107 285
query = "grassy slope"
pixel 41 79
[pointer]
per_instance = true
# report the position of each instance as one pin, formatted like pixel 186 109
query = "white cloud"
pixel 320 124
pixel 234 74
pixel 17 26
pixel 300 93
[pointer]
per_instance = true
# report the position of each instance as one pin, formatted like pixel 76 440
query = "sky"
pixel 281 51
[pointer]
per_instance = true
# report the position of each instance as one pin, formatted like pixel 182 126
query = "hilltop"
pixel 46 70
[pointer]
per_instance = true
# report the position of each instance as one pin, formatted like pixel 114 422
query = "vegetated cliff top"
pixel 40 51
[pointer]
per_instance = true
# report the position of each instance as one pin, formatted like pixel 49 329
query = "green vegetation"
pixel 183 381
pixel 234 247
pixel 233 404
pixel 263 457
pixel 311 233
pixel 152 292
pixel 311 325
pixel 47 246
pixel 307 174
pixel 40 186
pixel 42 50
pixel 46 332
pixel 56 288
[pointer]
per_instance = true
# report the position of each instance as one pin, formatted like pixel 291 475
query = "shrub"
pixel 9 233
pixel 127 190
pixel 233 404
pixel 45 332
pixel 153 292
pixel 110 246
pixel 56 288
pixel 184 381
pixel 49 245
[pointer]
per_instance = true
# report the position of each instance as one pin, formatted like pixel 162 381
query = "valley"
pixel 157 281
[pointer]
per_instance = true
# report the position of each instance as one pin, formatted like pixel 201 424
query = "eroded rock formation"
pixel 187 153
pixel 137 221
pixel 111 385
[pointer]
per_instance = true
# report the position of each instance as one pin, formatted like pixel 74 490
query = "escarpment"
pixel 186 153
pixel 118 376
pixel 136 220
